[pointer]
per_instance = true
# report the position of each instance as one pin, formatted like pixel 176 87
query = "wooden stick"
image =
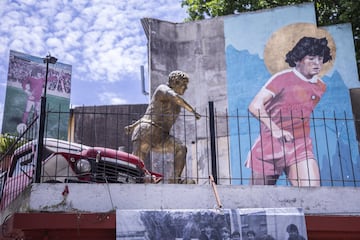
pixel 215 191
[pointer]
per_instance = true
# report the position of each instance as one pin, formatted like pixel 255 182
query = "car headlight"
pixel 83 166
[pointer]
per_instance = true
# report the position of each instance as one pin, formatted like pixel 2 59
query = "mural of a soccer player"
pixel 24 89
pixel 284 106
pixel 33 87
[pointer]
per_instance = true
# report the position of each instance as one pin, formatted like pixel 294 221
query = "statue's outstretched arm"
pixel 181 102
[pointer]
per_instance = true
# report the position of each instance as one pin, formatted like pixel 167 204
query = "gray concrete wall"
pixel 108 197
pixel 103 126
pixel 198 49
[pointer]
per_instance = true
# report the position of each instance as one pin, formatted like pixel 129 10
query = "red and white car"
pixel 66 162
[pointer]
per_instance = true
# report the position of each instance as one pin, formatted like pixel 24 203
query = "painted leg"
pixel 305 174
pixel 260 179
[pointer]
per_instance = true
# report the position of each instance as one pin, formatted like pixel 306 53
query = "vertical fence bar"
pixel 239 146
pixel 40 142
pixel 339 155
pixel 42 120
pixel 350 149
pixel 212 141
pixel 49 59
pixel 331 180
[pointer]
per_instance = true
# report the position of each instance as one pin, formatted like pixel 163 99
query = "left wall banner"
pixel 25 86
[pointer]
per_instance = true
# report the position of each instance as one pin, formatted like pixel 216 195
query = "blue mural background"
pixel 333 130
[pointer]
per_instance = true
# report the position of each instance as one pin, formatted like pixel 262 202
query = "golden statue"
pixel 152 131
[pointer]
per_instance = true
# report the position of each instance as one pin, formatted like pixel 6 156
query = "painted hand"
pixel 283 135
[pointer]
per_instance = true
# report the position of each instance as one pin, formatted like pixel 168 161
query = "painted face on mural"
pixel 310 66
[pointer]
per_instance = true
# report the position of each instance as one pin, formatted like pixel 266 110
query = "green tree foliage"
pixel 328 12
pixel 8 141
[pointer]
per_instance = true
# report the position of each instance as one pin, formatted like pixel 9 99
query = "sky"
pixel 103 40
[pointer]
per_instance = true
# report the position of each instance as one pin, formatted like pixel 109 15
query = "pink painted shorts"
pixel 271 156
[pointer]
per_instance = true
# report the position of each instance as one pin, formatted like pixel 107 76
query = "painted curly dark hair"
pixel 308 46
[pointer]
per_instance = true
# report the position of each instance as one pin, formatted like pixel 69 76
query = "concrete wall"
pixel 198 49
pixel 103 126
pixel 108 197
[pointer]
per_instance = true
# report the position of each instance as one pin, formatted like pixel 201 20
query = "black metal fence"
pixel 223 145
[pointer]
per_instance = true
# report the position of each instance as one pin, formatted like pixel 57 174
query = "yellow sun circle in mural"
pixel 284 39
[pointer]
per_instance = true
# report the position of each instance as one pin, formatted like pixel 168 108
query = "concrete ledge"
pixel 109 197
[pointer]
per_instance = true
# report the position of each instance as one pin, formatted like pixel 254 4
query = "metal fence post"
pixel 40 143
pixel 212 141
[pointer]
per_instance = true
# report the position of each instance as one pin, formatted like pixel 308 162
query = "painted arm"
pixel 257 109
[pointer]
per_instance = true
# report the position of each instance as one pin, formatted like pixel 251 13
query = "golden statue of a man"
pixel 152 131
